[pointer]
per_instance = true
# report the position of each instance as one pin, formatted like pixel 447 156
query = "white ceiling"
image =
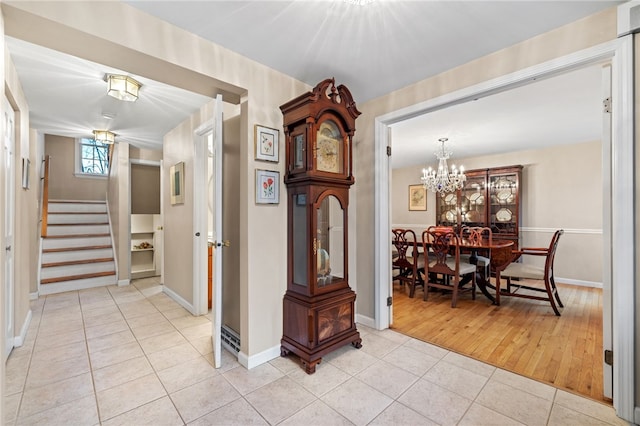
pixel 372 49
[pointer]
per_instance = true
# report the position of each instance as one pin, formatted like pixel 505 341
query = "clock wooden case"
pixel 318 306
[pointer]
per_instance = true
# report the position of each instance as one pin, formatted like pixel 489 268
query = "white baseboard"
pixel 366 321
pixel 122 283
pixel 580 283
pixel 34 296
pixel 175 296
pixel 19 340
pixel 250 362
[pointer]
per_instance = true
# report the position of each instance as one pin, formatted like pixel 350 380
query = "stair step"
pixel 70 241
pixel 80 224
pixel 77 277
pixel 77 229
pixel 75 268
pixel 77 262
pixel 80 284
pixel 61 249
pixel 77 218
pixel 76 206
pixel 70 254
pixel 77 236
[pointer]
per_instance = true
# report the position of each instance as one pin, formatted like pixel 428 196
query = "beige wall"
pixel 145 154
pixel 145 189
pixel 63 184
pixel 561 188
pixel 579 35
pixel 118 199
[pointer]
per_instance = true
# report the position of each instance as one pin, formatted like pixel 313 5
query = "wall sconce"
pixel 122 87
pixel 104 136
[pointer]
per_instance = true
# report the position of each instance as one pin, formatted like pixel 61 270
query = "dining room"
pixel 560 186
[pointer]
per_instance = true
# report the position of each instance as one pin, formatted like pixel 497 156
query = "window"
pixel 92 157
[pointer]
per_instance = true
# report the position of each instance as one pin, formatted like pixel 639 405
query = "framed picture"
pixel 267 143
pixel 417 198
pixel 176 176
pixel 267 187
pixel 26 163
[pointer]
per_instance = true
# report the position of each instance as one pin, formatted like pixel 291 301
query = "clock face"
pixel 329 148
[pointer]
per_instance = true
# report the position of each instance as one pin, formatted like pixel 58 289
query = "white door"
pixel 607 322
pixel 209 145
pixel 9 204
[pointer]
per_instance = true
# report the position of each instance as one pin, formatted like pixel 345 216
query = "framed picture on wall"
pixel 176 176
pixel 417 198
pixel 266 143
pixel 267 187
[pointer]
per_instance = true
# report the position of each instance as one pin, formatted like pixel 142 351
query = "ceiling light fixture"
pixel 104 136
pixel 122 87
pixel 443 180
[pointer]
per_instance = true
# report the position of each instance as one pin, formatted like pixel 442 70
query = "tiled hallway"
pixel 132 356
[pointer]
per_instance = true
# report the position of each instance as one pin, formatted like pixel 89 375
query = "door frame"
pixel 620 228
pixel 160 258
pixel 8 266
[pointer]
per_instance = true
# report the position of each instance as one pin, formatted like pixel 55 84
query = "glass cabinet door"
pixel 447 209
pixel 329 244
pixel 473 207
pixel 503 191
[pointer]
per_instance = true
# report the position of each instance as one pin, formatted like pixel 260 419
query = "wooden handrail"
pixel 45 197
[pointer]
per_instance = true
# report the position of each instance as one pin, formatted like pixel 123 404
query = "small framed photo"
pixel 176 176
pixel 267 143
pixel 417 198
pixel 267 187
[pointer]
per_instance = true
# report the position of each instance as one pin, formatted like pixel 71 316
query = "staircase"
pixel 77 251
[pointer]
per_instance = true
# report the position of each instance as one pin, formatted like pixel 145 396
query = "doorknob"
pixel 7 248
pixel 197 234
pixel 224 243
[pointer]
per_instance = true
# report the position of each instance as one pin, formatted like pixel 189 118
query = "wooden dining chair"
pixel 442 257
pixel 526 271
pixel 406 259
pixel 475 234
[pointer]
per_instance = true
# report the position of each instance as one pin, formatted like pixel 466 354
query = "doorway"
pixel 620 53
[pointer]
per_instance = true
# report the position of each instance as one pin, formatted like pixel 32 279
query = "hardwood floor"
pixel 522 336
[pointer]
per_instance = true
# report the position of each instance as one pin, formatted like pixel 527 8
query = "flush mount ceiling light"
pixel 122 87
pixel 104 136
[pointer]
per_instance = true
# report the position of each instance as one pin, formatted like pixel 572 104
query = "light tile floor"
pixel 132 356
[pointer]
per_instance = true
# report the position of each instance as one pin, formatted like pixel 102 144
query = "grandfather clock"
pixel 318 306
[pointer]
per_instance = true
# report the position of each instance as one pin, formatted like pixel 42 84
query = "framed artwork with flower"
pixel 267 143
pixel 267 187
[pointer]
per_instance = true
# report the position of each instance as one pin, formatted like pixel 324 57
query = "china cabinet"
pixel 489 198
pixel 318 306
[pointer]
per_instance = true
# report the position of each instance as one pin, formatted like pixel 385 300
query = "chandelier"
pixel 443 180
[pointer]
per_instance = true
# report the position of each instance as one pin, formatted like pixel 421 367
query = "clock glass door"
pixel 329 247
pixel 299 240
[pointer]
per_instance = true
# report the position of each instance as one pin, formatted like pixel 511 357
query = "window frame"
pixel 78 162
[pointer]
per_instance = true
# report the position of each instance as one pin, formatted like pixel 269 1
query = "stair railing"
pixel 45 196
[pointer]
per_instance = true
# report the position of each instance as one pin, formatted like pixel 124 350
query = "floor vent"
pixel 230 339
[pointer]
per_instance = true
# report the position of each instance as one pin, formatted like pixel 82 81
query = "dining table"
pixel 500 256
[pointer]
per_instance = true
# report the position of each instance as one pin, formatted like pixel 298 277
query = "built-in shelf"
pixel 143 260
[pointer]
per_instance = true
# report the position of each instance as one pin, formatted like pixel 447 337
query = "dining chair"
pixel 475 234
pixel 406 259
pixel 442 257
pixel 527 271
